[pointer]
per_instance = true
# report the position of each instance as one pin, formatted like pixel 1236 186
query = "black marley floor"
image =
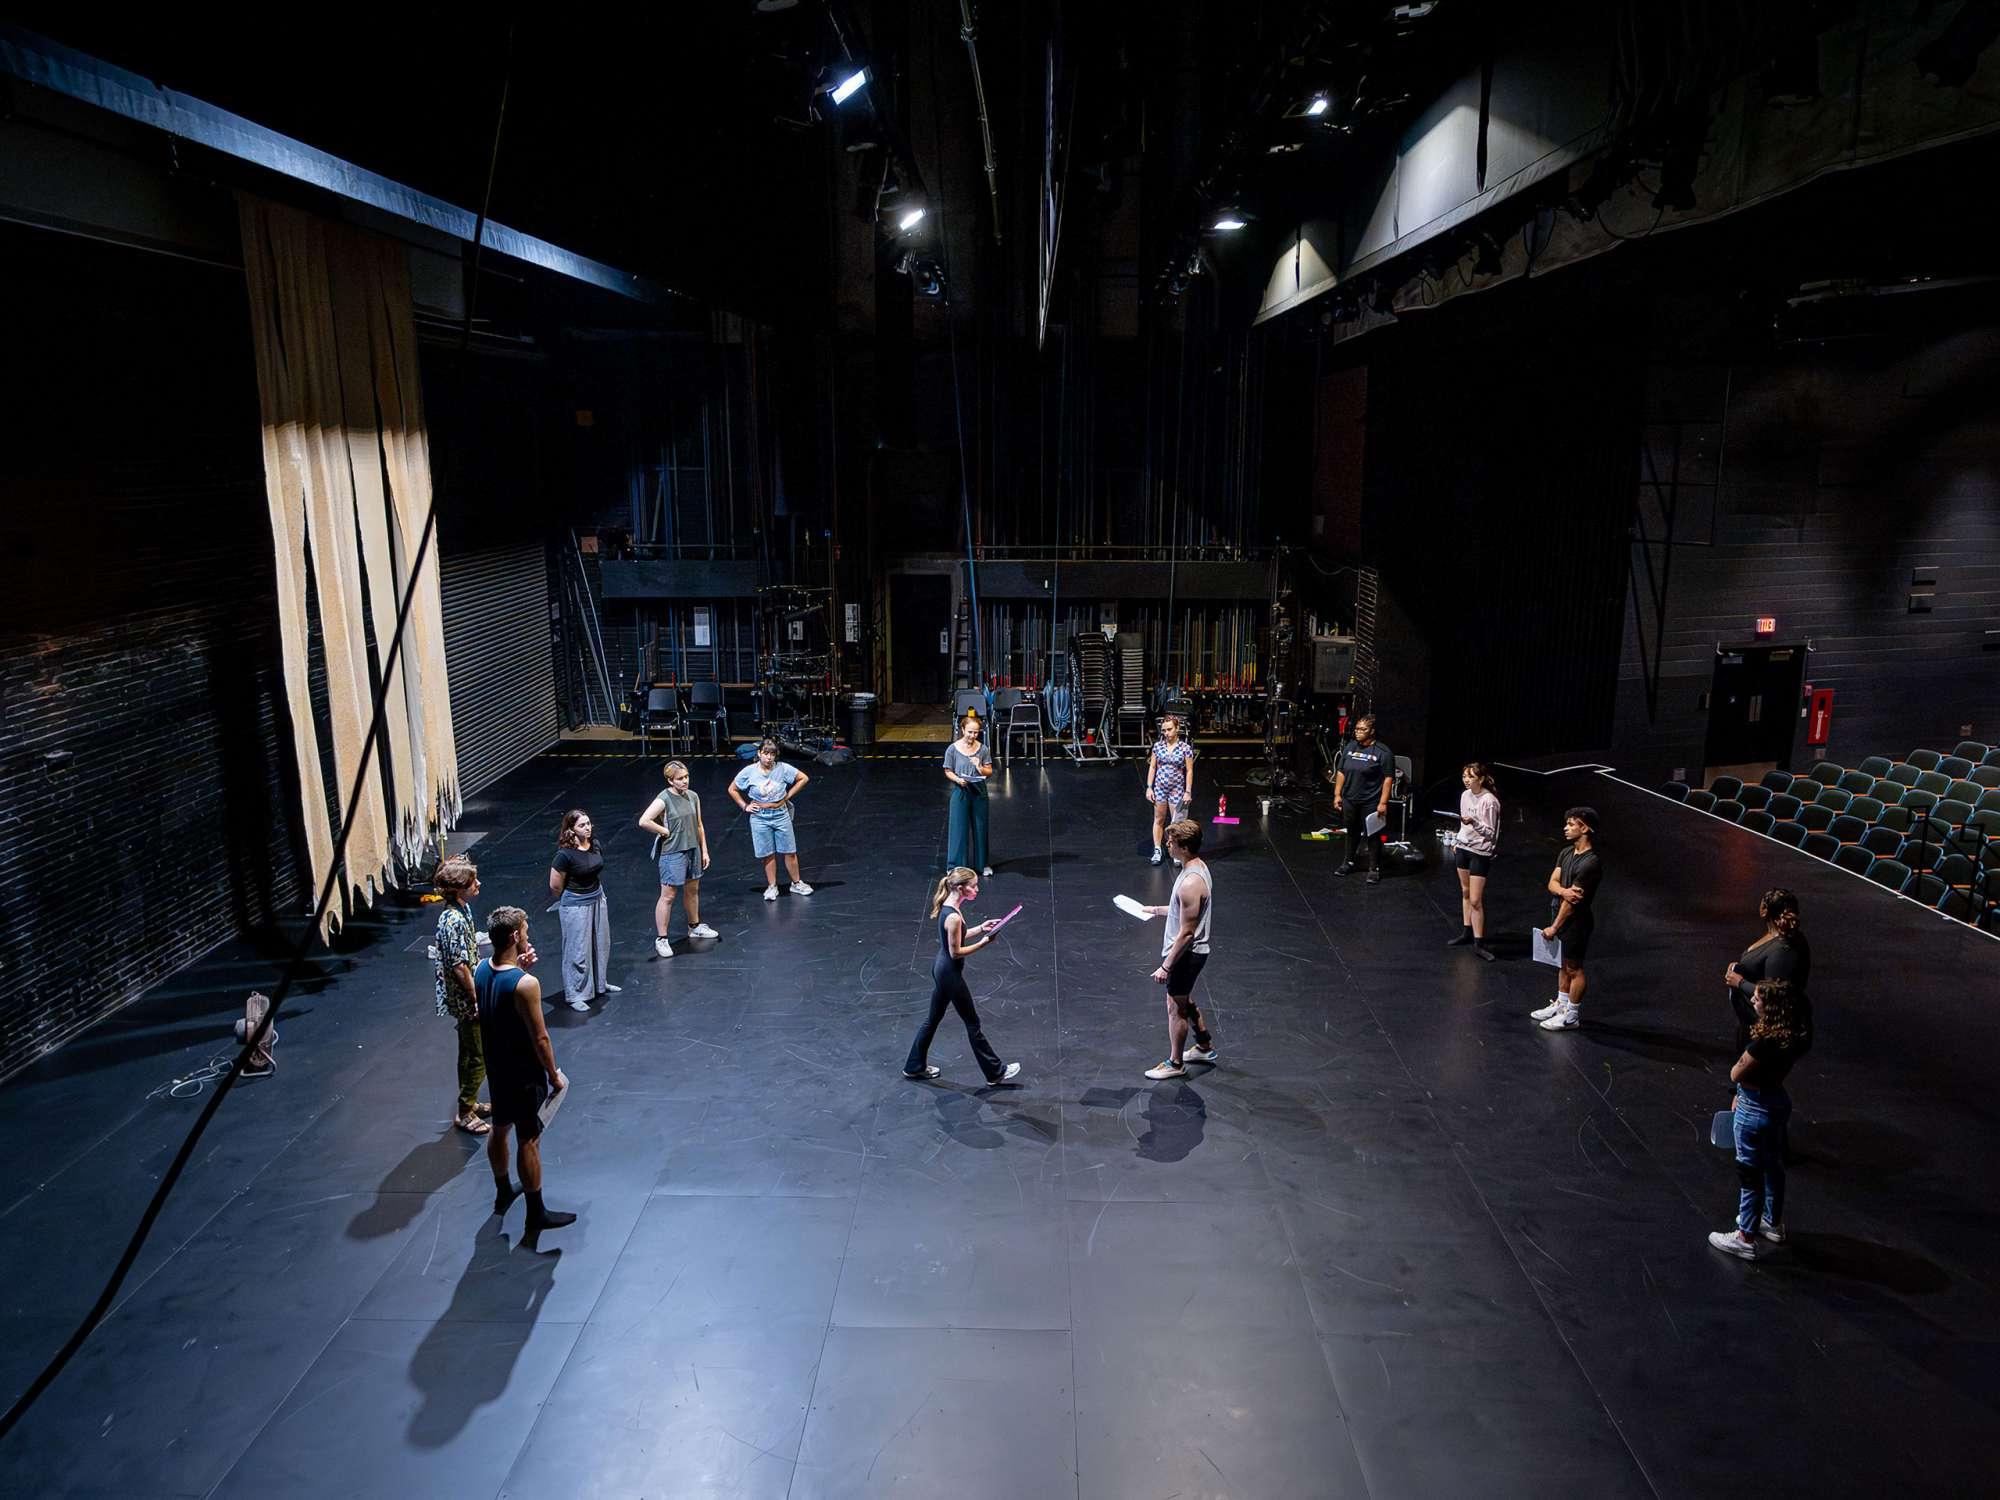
pixel 1398 1243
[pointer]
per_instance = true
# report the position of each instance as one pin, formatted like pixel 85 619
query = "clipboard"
pixel 551 1104
pixel 1547 950
pixel 1131 908
pixel 1373 824
pixel 1006 919
pixel 1722 1129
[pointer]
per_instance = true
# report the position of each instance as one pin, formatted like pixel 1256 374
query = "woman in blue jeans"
pixel 1763 1110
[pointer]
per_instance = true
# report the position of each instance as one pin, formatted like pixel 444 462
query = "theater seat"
pixel 1954 813
pixel 1757 820
pixel 1867 809
pixel 1754 796
pixel 1956 871
pixel 1826 773
pixel 1784 805
pixel 1847 829
pixel 1853 858
pixel 1777 781
pixel 1678 790
pixel 1856 781
pixel 1887 872
pixel 1986 776
pixel 1991 757
pixel 1821 846
pixel 1964 789
pixel 1725 787
pixel 1789 833
pixel 1904 774
pixel 1883 843
pixel 1897 818
pixel 1877 765
pixel 1927 889
pixel 1887 792
pixel 1934 782
pixel 1917 800
pixel 1834 799
pixel 1701 801
pixel 1985 820
pixel 1988 800
pixel 1727 808
pixel 1923 760
pixel 1971 750
pixel 1921 857
pixel 1953 765
pixel 1816 818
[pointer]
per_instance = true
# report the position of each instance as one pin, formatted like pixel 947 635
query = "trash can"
pixel 861 720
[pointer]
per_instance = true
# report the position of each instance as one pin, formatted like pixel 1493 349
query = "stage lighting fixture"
pixel 1228 223
pixel 849 86
pixel 1318 107
pixel 911 219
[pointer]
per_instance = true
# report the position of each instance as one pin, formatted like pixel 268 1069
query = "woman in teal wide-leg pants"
pixel 966 766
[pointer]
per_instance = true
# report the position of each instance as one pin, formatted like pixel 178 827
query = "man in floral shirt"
pixel 456 951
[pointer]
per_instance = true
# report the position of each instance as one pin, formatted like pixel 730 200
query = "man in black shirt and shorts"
pixel 1572 917
pixel 1363 774
pixel 521 1071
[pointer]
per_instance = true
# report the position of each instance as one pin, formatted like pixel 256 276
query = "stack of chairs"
pixel 1926 826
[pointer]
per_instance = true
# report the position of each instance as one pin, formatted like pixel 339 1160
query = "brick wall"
pixel 143 751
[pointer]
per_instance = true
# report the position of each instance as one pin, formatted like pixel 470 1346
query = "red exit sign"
pixel 1767 624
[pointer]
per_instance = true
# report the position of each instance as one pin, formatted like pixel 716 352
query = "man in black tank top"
pixel 521 1069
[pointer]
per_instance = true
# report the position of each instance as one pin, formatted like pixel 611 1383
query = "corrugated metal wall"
pixel 496 647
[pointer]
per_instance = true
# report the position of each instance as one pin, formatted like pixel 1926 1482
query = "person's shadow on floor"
pixel 466 1360
pixel 1177 1118
pixel 405 1191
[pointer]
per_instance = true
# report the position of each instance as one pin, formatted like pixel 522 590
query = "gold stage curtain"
pixel 347 474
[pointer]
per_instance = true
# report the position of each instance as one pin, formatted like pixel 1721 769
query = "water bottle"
pixel 1222 806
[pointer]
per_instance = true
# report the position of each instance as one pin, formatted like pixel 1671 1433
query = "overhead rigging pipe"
pixel 969 37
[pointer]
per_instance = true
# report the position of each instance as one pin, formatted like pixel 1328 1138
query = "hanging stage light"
pixel 849 86
pixel 1229 223
pixel 911 219
pixel 1318 106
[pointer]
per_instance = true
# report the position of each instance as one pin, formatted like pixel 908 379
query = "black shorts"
pixel 1473 864
pixel 519 1106
pixel 1184 971
pixel 1575 940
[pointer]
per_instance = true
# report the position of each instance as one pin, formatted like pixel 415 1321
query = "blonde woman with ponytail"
pixel 955 940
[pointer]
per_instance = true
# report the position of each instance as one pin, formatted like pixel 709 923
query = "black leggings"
pixel 1354 818
pixel 948 991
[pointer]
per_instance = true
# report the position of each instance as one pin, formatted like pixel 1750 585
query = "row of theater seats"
pixel 1926 826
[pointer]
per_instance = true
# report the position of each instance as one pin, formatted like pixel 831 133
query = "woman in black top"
pixel 956 938
pixel 576 883
pixel 1781 953
pixel 1762 1112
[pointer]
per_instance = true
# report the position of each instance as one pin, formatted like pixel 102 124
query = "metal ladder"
pixel 1367 613
pixel 589 636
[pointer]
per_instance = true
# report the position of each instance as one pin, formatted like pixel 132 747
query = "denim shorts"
pixel 770 836
pixel 680 866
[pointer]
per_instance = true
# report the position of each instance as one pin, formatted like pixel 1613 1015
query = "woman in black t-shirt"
pixel 1781 953
pixel 1762 1111
pixel 576 882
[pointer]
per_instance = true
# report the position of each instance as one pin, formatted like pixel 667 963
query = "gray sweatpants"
pixel 586 942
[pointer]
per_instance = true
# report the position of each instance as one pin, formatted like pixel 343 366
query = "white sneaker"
pixel 800 888
pixel 988 870
pixel 931 1070
pixel 1167 1069
pixel 662 947
pixel 1775 1233
pixel 1548 1010
pixel 1013 1072
pixel 770 893
pixel 1156 854
pixel 581 1005
pixel 703 930
pixel 1198 1054
pixel 1566 1018
pixel 1732 1242
pixel 612 989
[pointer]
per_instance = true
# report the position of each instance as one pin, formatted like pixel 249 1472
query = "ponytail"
pixel 954 879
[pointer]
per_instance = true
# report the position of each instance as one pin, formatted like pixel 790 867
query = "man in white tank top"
pixel 1183 952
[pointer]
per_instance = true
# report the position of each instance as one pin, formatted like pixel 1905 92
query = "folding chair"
pixel 706 711
pixel 662 717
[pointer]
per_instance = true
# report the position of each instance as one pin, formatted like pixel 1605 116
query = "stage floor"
pixel 1398 1242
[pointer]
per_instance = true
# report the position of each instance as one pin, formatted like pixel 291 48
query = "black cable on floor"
pixel 255 1040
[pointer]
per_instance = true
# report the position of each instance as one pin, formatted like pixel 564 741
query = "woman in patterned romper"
pixel 1169 779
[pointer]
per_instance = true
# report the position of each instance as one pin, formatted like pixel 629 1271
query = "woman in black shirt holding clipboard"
pixel 948 990
pixel 1781 953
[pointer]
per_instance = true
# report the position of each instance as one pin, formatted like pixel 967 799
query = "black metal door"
pixel 919 619
pixel 1753 706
